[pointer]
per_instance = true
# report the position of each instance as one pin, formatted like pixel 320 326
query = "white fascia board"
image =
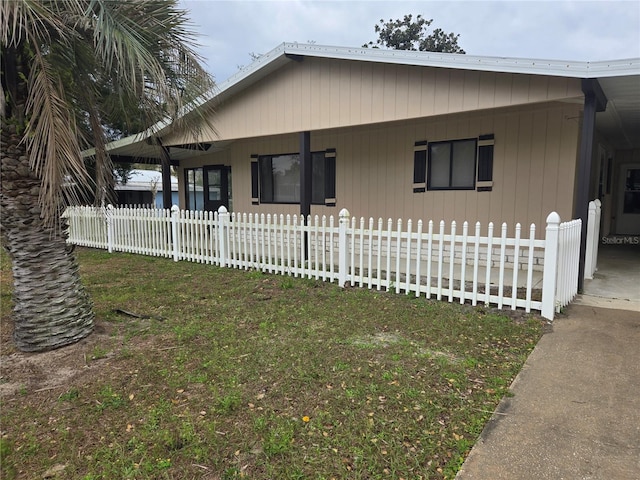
pixel 259 63
pixel 471 62
pixel 613 68
pixel 122 143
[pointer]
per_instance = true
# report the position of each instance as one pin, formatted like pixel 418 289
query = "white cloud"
pixel 568 30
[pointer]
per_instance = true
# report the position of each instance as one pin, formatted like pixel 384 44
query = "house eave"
pixel 141 144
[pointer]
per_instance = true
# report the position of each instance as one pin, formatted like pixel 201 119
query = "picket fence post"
pixel 343 224
pixel 550 271
pixel 223 224
pixel 175 211
pixel 109 221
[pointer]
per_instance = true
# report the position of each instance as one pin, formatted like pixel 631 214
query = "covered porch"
pixel 616 283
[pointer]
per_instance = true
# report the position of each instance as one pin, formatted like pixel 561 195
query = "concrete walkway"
pixel 616 282
pixel 575 410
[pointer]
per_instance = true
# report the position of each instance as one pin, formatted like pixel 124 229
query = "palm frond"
pixel 33 21
pixel 146 48
pixel 103 163
pixel 54 152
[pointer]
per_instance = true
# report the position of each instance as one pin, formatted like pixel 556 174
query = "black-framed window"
pixel 452 165
pixel 279 178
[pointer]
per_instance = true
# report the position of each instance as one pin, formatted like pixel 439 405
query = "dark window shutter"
pixel 255 177
pixel 420 167
pixel 485 163
pixel 265 164
pixel 330 178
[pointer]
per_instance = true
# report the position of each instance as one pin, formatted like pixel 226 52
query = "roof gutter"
pixel 574 69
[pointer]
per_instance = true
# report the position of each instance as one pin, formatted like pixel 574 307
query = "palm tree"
pixel 71 72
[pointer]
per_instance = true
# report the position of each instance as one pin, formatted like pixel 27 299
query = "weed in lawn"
pixel 260 424
pixel 197 377
pixel 340 366
pixel 188 331
pixel 255 274
pixel 266 326
pixel 350 393
pixel 232 473
pixel 387 376
pixel 108 398
pixel 69 395
pixel 98 352
pixel 157 415
pixel 228 402
pixel 279 437
pixel 287 283
pixel 470 363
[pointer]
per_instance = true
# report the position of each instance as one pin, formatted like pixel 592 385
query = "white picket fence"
pixel 438 261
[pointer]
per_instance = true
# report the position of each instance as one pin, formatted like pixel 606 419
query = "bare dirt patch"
pixel 33 372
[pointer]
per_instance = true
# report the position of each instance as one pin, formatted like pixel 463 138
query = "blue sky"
pixel 229 31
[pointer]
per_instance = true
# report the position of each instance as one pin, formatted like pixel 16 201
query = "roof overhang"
pixel 620 122
pixel 618 79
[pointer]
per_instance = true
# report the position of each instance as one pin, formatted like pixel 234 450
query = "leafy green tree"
pixel 75 73
pixel 410 34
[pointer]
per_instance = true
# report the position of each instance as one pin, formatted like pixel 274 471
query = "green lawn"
pixel 246 375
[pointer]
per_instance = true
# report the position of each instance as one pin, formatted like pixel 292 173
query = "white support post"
pixel 109 221
pixel 593 238
pixel 550 271
pixel 343 225
pixel 175 211
pixel 589 266
pixel 596 242
pixel 223 224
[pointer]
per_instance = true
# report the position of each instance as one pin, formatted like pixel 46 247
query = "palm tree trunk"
pixel 52 308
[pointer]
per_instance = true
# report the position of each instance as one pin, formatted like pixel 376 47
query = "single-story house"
pixel 144 187
pixel 313 129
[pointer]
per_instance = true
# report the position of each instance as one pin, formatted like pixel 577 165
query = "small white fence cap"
pixel 553 217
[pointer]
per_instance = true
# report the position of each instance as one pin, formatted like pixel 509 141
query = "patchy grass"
pixel 232 374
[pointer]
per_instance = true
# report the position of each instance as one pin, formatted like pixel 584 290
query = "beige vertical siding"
pixel 533 172
pixel 322 93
